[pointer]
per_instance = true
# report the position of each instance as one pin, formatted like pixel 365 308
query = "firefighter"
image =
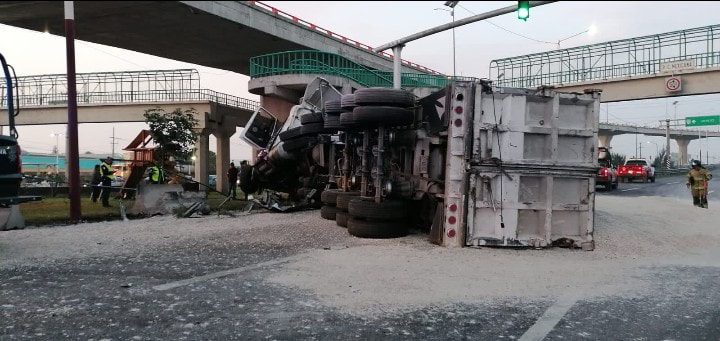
pixel 698 178
pixel 107 175
pixel 156 175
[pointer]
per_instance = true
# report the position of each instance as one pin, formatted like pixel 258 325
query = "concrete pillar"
pixel 277 106
pixel 202 149
pixel 683 147
pixel 222 159
pixel 604 140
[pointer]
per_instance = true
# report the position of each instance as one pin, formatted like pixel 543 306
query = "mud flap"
pixel 436 230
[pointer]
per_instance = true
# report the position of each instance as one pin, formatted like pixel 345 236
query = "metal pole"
pixel 71 155
pixel 461 22
pixel 452 12
pixel 667 144
pixel 397 66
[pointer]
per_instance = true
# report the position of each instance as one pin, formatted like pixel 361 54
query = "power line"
pixel 507 30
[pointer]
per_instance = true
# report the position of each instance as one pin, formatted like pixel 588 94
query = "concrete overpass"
pixel 219 34
pixel 678 63
pixel 682 137
pixel 108 97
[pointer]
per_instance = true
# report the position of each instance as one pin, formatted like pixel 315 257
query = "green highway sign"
pixel 702 121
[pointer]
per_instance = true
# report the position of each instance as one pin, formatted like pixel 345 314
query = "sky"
pixel 376 23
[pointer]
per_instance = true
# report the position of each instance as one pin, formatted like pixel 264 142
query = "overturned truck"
pixel 473 164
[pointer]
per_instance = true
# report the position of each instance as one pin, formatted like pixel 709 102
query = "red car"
pixel 607 176
pixel 636 169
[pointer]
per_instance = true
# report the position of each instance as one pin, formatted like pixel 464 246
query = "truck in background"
pixel 607 175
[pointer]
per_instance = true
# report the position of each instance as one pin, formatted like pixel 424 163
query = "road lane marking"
pixel 711 192
pixel 673 183
pixel 193 280
pixel 629 189
pixel 546 323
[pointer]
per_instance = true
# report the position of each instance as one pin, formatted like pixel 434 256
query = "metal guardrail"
pixel 610 60
pixel 122 87
pixel 335 36
pixel 317 62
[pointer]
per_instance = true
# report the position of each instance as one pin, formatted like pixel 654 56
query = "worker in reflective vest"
pixel 157 175
pixel 698 178
pixel 107 175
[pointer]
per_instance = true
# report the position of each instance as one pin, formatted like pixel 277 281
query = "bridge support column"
pixel 277 106
pixel 202 149
pixel 683 148
pixel 222 159
pixel 604 140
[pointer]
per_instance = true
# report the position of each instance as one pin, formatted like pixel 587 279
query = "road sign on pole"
pixel 697 121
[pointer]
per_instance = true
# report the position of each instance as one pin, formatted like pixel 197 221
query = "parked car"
pixel 636 169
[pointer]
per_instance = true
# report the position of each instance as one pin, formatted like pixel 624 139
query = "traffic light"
pixel 523 10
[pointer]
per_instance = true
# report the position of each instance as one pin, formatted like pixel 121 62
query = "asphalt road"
pixel 212 287
pixel 672 187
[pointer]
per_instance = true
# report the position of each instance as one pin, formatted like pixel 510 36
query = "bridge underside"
pixel 700 82
pixel 219 34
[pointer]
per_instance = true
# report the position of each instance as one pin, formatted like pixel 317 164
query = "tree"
pixel 658 162
pixel 617 159
pixel 172 133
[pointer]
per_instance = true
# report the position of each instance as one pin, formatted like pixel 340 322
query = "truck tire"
pixel 315 117
pixel 384 97
pixel 312 129
pixel 367 208
pixel 332 122
pixel 347 121
pixel 299 143
pixel 333 106
pixel 347 102
pixel 383 115
pixel 328 212
pixel 341 218
pixel 376 229
pixel 291 134
pixel 343 199
pixel 329 197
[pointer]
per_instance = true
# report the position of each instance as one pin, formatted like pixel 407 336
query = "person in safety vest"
pixel 698 178
pixel 107 175
pixel 156 175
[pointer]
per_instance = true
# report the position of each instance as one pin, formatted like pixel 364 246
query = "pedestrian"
pixel 698 178
pixel 156 175
pixel 246 179
pixel 95 182
pixel 232 176
pixel 107 174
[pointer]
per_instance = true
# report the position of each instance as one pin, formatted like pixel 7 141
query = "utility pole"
pixel 667 143
pixel 113 143
pixel 72 156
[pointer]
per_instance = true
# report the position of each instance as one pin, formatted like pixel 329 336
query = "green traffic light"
pixel 523 10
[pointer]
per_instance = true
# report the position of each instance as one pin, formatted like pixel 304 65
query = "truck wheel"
pixel 376 229
pixel 333 106
pixel 343 199
pixel 315 117
pixel 361 207
pixel 341 218
pixel 291 134
pixel 328 212
pixel 347 121
pixel 299 143
pixel 329 197
pixel 384 97
pixel 332 121
pixel 388 116
pixel 312 129
pixel 347 102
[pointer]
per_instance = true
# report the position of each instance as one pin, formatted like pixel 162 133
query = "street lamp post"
pixel 675 105
pixel 57 151
pixel 452 5
pixel 657 148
